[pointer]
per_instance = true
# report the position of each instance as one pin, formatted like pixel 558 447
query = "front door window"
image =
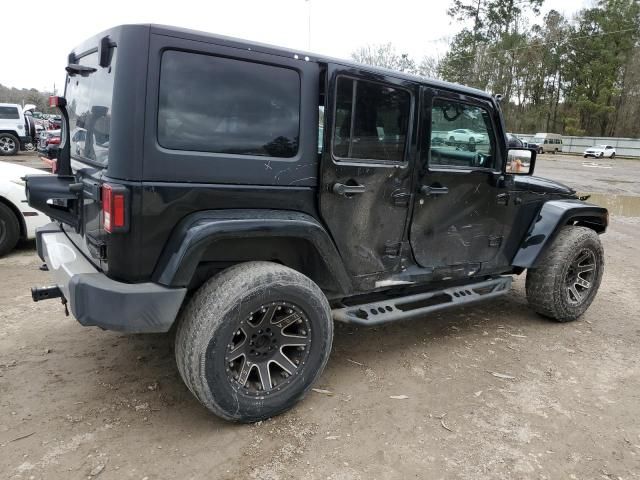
pixel 461 136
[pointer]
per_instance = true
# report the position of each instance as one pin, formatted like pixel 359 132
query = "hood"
pixel 11 171
pixel 541 185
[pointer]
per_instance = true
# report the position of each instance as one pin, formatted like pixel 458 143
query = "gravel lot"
pixel 493 391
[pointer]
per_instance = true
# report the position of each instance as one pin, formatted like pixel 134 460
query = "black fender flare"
pixel 198 231
pixel 553 215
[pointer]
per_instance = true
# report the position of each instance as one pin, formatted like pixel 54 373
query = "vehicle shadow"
pixel 146 364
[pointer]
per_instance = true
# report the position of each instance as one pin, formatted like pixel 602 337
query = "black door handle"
pixel 343 189
pixel 433 191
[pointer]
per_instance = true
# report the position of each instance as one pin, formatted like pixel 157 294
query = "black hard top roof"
pixel 286 52
pixel 313 57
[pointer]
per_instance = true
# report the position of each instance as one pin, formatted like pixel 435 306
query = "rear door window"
pixel 222 105
pixel 9 113
pixel 371 121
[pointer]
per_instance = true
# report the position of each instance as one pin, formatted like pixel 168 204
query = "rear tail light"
pixel 53 141
pixel 114 208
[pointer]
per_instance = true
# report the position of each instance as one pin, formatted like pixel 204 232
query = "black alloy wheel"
pixel 269 349
pixel 580 276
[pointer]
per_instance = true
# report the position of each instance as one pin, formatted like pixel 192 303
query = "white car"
pixel 600 151
pixel 464 135
pixel 17 219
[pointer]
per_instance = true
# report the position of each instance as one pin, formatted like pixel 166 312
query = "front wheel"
pixel 253 340
pixel 566 278
pixel 613 155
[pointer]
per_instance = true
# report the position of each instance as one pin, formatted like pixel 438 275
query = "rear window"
pixel 9 113
pixel 222 105
pixel 89 101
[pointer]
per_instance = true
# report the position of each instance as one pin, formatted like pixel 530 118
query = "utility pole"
pixel 308 2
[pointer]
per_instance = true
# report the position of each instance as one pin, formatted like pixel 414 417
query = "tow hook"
pixel 46 293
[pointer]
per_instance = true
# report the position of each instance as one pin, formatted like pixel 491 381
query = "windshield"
pixel 89 102
pixel 536 140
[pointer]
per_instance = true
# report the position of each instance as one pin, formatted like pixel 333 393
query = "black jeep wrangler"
pixel 249 196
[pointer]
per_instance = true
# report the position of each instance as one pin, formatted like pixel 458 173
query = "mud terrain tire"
pixel 235 311
pixel 566 278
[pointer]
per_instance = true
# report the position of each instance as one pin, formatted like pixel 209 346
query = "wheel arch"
pixel 16 212
pixel 206 242
pixel 554 215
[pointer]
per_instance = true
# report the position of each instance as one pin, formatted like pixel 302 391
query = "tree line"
pixel 24 96
pixel 574 76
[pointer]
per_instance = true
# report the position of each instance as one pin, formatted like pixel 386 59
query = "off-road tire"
pixel 9 229
pixel 6 139
pixel 546 283
pixel 214 313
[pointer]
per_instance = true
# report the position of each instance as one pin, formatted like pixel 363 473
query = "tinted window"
pixel 214 104
pixel 475 147
pixel 89 103
pixel 9 113
pixel 371 121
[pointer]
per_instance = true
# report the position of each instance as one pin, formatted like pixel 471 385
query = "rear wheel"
pixel 566 278
pixel 9 229
pixel 9 144
pixel 253 340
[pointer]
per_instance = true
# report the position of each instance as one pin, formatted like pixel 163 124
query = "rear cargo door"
pixel 89 100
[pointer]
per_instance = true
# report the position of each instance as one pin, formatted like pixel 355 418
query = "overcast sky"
pixel 42 35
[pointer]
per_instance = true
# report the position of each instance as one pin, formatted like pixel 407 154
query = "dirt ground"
pixel 493 391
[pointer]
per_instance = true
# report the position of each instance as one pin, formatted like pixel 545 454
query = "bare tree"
pixel 386 56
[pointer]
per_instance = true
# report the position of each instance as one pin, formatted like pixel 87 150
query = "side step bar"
pixel 402 308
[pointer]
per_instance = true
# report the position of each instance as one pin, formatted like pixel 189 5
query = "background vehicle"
pixel 17 219
pixel 202 200
pixel 464 135
pixel 13 134
pixel 600 151
pixel 48 143
pixel 546 142
pixel 514 142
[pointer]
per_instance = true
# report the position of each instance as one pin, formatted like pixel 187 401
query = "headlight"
pixel 18 181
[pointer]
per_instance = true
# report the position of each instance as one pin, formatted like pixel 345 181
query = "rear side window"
pixel 371 121
pixel 221 105
pixel 9 113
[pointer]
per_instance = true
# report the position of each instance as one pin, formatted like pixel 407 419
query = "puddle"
pixel 620 205
pixel 608 180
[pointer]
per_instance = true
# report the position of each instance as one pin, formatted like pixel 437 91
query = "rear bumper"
pixel 97 300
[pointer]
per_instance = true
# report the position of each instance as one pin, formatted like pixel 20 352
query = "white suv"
pixel 13 133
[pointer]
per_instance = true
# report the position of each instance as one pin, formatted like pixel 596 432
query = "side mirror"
pixel 520 161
